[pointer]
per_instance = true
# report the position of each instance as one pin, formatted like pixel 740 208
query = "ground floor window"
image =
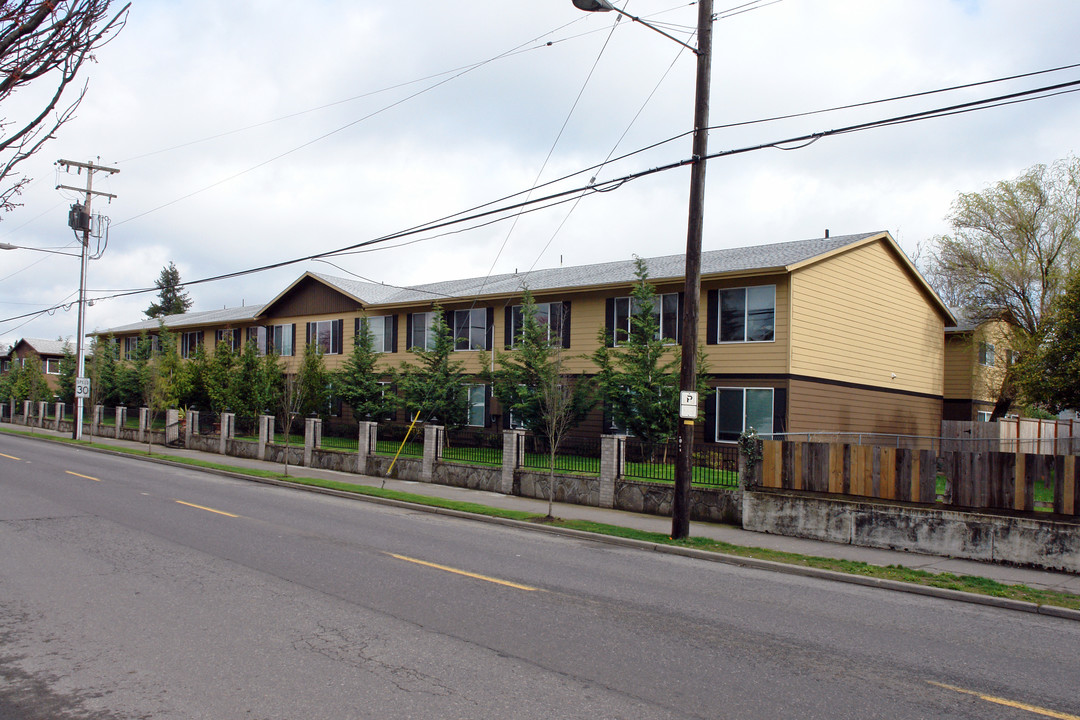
pixel 477 405
pixel 738 409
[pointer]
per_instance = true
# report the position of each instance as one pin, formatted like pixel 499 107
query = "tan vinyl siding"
pixel 860 317
pixel 960 356
pixel 743 357
pixel 820 407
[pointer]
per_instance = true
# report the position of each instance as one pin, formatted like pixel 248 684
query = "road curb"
pixel 736 560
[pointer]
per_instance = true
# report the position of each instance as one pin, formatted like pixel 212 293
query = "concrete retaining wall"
pixel 473 477
pixel 721 505
pixel 1026 541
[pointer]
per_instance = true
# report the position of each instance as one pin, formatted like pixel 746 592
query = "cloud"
pixel 249 133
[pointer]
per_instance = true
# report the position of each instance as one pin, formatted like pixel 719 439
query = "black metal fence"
pixel 209 423
pixel 716 465
pixel 391 436
pixel 469 445
pixel 340 435
pixel 576 454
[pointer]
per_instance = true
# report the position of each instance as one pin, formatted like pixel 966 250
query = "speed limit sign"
pixel 82 387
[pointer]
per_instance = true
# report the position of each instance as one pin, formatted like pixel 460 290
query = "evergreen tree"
pixel 220 385
pixel 530 383
pixel 173 380
pixel 434 387
pixel 358 382
pixel 1050 375
pixel 639 380
pixel 31 384
pixel 313 381
pixel 69 368
pixel 172 299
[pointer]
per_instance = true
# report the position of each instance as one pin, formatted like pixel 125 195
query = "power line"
pixel 615 183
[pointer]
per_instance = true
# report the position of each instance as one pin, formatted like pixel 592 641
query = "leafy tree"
pixel 219 383
pixel 8 383
pixel 1050 373
pixel 531 384
pixel 31 383
pixel 198 381
pixel 172 381
pixel 44 42
pixel 639 381
pixel 314 381
pixel 434 387
pixel 172 300
pixel 358 381
pixel 1012 246
pixel 69 369
pixel 134 379
pixel 102 369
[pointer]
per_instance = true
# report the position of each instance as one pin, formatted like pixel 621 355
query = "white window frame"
pixel 285 333
pixel 746 314
pixel 189 344
pixel 983 415
pixel 232 336
pixel 131 347
pixel 318 327
pixel 51 362
pixel 626 307
pixel 425 325
pixel 545 311
pixel 468 327
pixel 744 390
pixel 383 337
pixel 986 354
pixel 482 391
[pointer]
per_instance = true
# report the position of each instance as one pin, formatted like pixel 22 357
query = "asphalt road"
pixel 136 590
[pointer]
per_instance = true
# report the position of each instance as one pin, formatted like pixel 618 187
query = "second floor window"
pixel 189 343
pixel 229 336
pixel 747 314
pixel 986 354
pixel 326 334
pixel 552 317
pixel 470 328
pixel 382 332
pixel 281 339
pixel 421 330
pixel 665 312
pixel 52 366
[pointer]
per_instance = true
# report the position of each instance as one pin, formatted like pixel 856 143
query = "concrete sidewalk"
pixel 1040 579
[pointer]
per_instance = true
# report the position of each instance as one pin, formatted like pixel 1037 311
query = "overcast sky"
pixel 250 133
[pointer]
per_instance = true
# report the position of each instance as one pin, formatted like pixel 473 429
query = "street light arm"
pixel 9 246
pixel 605 6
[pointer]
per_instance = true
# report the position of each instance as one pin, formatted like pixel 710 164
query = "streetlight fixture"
pixel 9 246
pixel 680 507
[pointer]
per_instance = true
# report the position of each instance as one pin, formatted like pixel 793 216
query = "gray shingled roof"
pixel 45 347
pixel 207 317
pixel 713 262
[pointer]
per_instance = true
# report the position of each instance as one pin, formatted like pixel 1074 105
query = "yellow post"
pixel 405 440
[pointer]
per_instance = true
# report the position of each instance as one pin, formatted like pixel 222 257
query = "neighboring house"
pixel 977 356
pixel 49 351
pixel 834 334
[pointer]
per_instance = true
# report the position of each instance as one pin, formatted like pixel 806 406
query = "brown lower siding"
pixel 822 406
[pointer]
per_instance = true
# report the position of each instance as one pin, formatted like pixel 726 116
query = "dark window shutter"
pixel 487 390
pixel 307 334
pixel 609 322
pixel 779 412
pixel 268 341
pixel 508 327
pixel 356 331
pixel 393 334
pixel 408 330
pixel 566 324
pixel 678 327
pixel 710 415
pixel 489 338
pixel 294 338
pixel 713 317
pixel 199 341
pixel 339 330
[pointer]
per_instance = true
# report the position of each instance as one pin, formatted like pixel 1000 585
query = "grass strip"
pixel 949 581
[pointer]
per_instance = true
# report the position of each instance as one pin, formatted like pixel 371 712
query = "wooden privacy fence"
pixel 983 480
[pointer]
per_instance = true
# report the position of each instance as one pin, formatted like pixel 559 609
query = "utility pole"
pixel 81 219
pixel 680 507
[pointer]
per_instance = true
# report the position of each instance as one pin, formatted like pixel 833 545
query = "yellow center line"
pixel 475 576
pixel 200 507
pixel 1008 703
pixel 82 476
pixel 9 457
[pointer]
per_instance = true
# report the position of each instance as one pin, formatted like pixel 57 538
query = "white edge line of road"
pixel 738 560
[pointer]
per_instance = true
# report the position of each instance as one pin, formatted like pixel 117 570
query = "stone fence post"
pixel 513 440
pixel 433 435
pixel 26 412
pixel 610 452
pixel 312 436
pixel 172 426
pixel 42 408
pixel 121 420
pixel 365 444
pixel 266 434
pixel 228 430
pixel 97 412
pixel 192 427
pixel 58 411
pixel 144 423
